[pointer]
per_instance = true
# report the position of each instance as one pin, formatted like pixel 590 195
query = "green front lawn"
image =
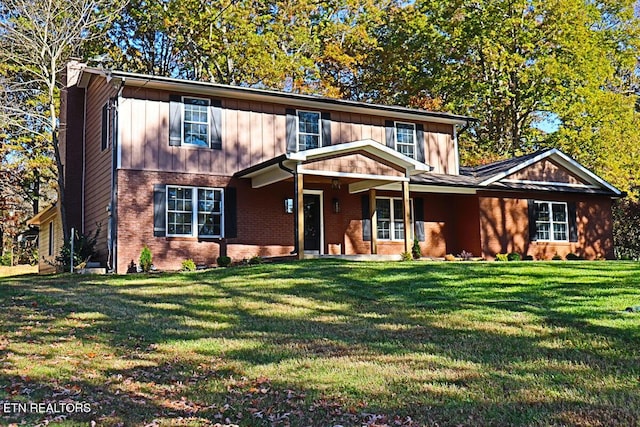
pixel 329 342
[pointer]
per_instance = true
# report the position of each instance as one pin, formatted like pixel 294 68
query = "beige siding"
pixel 46 262
pixel 547 171
pixel 439 147
pixel 252 132
pixel 354 163
pixel 98 166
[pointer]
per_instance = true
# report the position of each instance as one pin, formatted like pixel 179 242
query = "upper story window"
pixel 552 222
pixel 196 122
pixel 405 138
pixel 390 220
pixel 309 134
pixel 194 212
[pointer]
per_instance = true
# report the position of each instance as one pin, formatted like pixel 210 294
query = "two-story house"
pixel 198 170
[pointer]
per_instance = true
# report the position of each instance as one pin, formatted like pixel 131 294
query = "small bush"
pixel 188 265
pixel 255 260
pixel 465 256
pixel 449 257
pixel 5 259
pixel 146 259
pixel 502 257
pixel 514 256
pixel 416 252
pixel 528 258
pixel 223 261
pixel 406 256
pixel 556 257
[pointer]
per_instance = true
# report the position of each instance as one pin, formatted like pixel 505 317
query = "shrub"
pixel 223 261
pixel 188 265
pixel 449 257
pixel 406 256
pixel 528 258
pixel 5 259
pixel 255 260
pixel 415 250
pixel 465 256
pixel 556 257
pixel 84 248
pixel 502 257
pixel 514 256
pixel 146 259
pixel 573 257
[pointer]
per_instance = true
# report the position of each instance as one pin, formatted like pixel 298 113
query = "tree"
pixel 37 37
pixel 515 65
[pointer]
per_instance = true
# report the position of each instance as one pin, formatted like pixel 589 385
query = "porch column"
pixel 405 214
pixel 373 214
pixel 300 213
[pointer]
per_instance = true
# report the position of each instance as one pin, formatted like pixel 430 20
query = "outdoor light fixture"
pixel 335 184
pixel 288 206
pixel 336 205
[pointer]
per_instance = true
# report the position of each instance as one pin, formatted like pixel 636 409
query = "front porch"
pixel 355 200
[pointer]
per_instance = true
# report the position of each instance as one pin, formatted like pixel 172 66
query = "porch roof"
pixel 494 176
pixel 43 215
pixel 282 167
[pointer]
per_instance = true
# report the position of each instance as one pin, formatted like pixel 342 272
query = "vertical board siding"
pixel 252 132
pixel 230 137
pixel 97 182
pixel 244 135
pixel 256 152
pixel 268 132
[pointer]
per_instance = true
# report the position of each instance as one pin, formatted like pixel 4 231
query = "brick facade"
pixel 504 226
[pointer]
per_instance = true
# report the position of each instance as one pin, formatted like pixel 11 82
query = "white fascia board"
pixel 370 146
pixel 583 172
pixel 422 188
pixel 335 174
pixel 361 186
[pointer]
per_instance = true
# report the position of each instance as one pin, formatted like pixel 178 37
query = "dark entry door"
pixel 312 228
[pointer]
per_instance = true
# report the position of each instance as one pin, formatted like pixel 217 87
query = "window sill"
pixel 555 242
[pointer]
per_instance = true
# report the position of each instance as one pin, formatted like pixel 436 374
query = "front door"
pixel 312 222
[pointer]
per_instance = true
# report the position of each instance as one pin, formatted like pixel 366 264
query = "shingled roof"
pixel 489 177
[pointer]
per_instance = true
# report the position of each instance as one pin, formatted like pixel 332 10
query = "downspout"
pixel 295 205
pixel 115 160
pixel 84 157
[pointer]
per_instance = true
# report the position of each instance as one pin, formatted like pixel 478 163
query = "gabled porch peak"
pixel 284 166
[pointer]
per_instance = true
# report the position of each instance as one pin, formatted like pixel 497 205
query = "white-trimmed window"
pixel 195 127
pixel 195 212
pixel 405 137
pixel 390 219
pixel 309 130
pixel 552 222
